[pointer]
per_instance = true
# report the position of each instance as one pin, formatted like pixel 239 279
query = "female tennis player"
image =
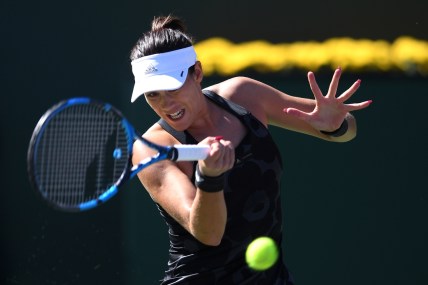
pixel 215 207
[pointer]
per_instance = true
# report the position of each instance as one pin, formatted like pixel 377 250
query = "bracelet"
pixel 339 132
pixel 209 183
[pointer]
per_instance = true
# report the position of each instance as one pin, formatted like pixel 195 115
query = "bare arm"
pixel 309 116
pixel 201 213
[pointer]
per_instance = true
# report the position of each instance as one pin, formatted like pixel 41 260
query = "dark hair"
pixel 167 34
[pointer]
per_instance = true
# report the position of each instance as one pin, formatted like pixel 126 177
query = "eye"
pixel 151 95
pixel 174 92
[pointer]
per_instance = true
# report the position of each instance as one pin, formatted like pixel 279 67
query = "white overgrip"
pixel 192 152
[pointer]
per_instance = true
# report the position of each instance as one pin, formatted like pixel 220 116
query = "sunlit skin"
pixel 185 102
pixel 204 214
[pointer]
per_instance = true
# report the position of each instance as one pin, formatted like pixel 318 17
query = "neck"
pixel 209 120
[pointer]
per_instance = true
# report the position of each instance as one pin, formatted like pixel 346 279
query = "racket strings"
pixel 79 154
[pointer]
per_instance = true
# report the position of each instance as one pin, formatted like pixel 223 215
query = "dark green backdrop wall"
pixel 355 213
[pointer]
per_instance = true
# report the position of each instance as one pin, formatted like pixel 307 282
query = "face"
pixel 179 108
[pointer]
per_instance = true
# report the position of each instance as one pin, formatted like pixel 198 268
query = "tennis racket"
pixel 80 154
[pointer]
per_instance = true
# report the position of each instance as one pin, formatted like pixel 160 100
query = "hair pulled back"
pixel 167 34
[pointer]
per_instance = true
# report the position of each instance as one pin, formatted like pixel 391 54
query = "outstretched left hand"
pixel 329 111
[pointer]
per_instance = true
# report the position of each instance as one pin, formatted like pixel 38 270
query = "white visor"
pixel 162 71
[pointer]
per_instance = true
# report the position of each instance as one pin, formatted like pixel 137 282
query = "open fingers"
pixel 332 88
pixel 351 90
pixel 334 83
pixel 298 113
pixel 358 106
pixel 314 86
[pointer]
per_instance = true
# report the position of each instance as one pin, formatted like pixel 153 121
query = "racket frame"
pixel 172 153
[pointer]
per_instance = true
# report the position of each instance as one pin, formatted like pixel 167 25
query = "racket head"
pixel 79 154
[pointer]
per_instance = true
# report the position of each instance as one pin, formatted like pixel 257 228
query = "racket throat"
pixel 171 153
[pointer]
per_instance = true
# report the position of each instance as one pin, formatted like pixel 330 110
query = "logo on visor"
pixel 150 69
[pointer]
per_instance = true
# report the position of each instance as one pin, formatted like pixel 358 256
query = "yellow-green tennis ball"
pixel 261 253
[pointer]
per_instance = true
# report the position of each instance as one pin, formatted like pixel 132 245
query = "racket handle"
pixel 192 152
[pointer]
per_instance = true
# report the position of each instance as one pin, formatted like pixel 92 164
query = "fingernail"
pixel 217 138
pixel 370 101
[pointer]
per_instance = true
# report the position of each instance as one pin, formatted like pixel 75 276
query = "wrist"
pixel 339 132
pixel 210 184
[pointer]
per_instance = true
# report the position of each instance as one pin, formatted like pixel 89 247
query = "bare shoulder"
pixel 234 88
pixel 246 92
pixel 158 135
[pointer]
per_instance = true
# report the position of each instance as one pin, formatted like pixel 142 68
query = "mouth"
pixel 177 115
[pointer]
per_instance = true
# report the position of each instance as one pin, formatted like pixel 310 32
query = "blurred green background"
pixel 354 213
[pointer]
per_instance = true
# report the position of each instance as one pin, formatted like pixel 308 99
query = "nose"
pixel 166 99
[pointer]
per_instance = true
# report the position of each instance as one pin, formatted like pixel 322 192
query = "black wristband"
pixel 339 132
pixel 208 183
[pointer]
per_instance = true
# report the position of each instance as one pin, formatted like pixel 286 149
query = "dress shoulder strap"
pixel 182 137
pixel 224 103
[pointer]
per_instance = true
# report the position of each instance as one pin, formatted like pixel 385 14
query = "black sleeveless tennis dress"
pixel 252 194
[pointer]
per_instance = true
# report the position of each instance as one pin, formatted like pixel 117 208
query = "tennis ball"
pixel 261 253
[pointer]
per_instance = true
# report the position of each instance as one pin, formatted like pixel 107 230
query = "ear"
pixel 198 74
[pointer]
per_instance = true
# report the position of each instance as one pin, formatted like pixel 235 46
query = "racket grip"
pixel 192 152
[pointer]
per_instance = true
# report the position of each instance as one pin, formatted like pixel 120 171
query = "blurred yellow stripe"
pixel 405 54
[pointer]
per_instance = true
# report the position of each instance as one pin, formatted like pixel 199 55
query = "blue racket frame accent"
pixel 112 191
pixel 164 153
